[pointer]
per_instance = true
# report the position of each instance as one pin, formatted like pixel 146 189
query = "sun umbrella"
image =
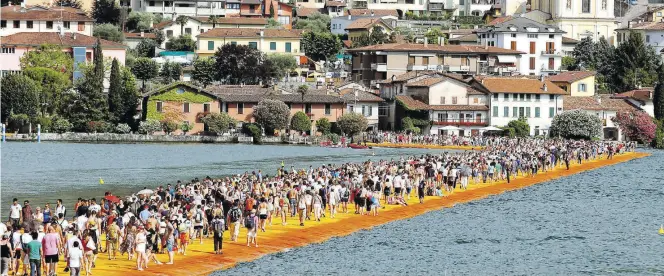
pixel 145 192
pixel 112 198
pixel 490 128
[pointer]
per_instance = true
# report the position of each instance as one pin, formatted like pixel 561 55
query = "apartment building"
pixel 366 26
pixel 576 83
pixel 537 100
pixel 197 25
pixel 541 44
pixel 283 12
pixel 40 19
pixel 372 64
pixel 191 8
pixel 266 40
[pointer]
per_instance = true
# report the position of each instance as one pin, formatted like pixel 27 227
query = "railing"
pixel 360 4
pixel 457 68
pixel 547 69
pixel 380 67
pixel 551 52
pixel 435 6
pixel 461 122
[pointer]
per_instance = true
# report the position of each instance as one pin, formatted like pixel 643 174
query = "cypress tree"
pixel 115 109
pixel 658 97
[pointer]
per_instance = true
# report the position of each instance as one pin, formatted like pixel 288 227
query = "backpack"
pixel 219 226
pixel 249 222
pixel 199 217
pixel 119 222
pixel 346 194
pixel 208 212
pixel 235 214
pixel 113 235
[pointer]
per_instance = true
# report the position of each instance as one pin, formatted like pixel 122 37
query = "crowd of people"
pixel 160 224
pixel 428 139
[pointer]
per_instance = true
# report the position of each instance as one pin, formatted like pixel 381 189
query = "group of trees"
pixel 43 93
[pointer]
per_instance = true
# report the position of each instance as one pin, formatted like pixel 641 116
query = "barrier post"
pixel 38 133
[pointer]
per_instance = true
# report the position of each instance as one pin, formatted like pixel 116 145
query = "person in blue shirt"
pixel 145 214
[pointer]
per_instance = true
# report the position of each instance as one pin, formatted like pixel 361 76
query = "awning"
pixel 506 59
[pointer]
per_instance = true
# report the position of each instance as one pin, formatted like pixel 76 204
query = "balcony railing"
pixel 548 69
pixel 552 52
pixel 435 6
pixel 461 122
pixel 380 67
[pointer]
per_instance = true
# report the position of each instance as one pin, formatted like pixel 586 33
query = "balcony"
pixel 456 68
pixel 552 52
pixel 548 69
pixel 360 4
pixel 413 67
pixel 435 7
pixel 380 67
pixel 500 69
pixel 462 122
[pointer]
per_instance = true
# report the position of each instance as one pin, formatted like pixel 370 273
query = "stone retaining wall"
pixel 141 138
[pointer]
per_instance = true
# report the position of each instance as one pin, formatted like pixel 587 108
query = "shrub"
pixel 122 128
pixel 300 122
pixel 636 125
pixel 149 126
pixel 17 121
pixel 576 124
pixel 333 137
pixel 272 114
pixel 219 123
pixel 97 127
pixel 255 132
pixel 323 125
pixel 509 132
pixel 408 125
pixel 44 122
pixel 520 126
pixel 169 126
pixel 185 127
pixel 352 123
pixel 61 125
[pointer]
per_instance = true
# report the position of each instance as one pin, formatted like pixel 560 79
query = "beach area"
pixel 200 259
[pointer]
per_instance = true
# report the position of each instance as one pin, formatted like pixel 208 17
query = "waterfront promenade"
pixel 200 259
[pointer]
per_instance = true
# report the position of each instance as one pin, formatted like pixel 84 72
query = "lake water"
pixel 48 171
pixel 601 222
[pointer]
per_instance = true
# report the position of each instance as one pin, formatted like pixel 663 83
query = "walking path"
pixel 201 259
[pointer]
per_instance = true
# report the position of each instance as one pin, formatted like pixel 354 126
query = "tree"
pixel 272 114
pixel 52 85
pixel 98 65
pixel 140 21
pixel 323 125
pixel 219 123
pixel 130 98
pixel 19 95
pixel 213 20
pixel 146 48
pixel 48 56
pixel 433 34
pixel 636 125
pixel 171 119
pixel 300 122
pixel 204 71
pixel 236 64
pixel 658 142
pixel 520 126
pixel 159 36
pixel 321 46
pixel 181 43
pixel 303 90
pixel 658 97
pixel 575 124
pixel 315 22
pixel 635 64
pixel 352 123
pixel 145 69
pixel 76 4
pixel 568 63
pixel 377 36
pixel 105 11
pixel 272 10
pixel 108 31
pixel 171 71
pixel 182 20
pixel 283 64
pixel 115 93
pixel 273 24
pixel 89 104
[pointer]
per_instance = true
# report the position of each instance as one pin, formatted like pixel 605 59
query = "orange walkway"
pixel 420 146
pixel 201 261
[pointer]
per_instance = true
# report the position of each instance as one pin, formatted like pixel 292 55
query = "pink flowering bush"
pixel 636 125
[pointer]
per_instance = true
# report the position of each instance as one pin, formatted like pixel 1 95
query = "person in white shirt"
pixel 94 207
pixel 75 255
pixel 15 213
pixel 3 229
pixel 60 209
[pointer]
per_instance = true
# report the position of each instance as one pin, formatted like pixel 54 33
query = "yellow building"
pixel 576 83
pixel 267 40
pixel 366 26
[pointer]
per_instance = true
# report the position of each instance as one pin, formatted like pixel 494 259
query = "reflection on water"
pixel 594 223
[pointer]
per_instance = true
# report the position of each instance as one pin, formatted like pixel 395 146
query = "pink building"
pixel 80 46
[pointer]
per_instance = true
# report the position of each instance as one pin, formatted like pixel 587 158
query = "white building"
pixel 362 102
pixel 536 100
pixel 651 32
pixel 642 98
pixel 190 8
pixel 542 44
pixel 605 107
pixel 197 25
pixel 15 19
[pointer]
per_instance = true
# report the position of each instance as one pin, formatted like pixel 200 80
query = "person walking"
pixel 251 223
pixel 6 251
pixel 35 254
pixel 75 257
pixel 51 245
pixel 218 227
pixel 235 219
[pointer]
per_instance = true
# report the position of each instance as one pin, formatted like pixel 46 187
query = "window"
pixel 151 3
pixel 532 36
pixel 240 108
pixel 169 33
pixel 187 31
pixel 515 112
pixel 206 107
pixel 603 5
pixel 273 46
pixel 367 111
pixel 527 112
pixel 210 45
pixel 532 63
pixel 160 106
pixel 513 45
pixel 8 50
pixel 454 100
pixel 513 35
pixel 425 60
pixel 569 4
pixel 537 97
pixel 185 107
pixel 202 30
pixel 582 87
pixel 285 20
pixel 495 111
pixel 307 108
pixel 17 24
pixel 551 37
pixel 551 98
pixel 3 23
pixel 233 6
pixel 551 112
pixel 537 112
pixel 647 38
pixel 67 25
pixel 522 97
pixel 253 45
pixel 532 47
pixel 495 96
pixel 528 97
pixel 506 97
pixel 328 109
pixel 585 6
pixel 81 26
pixel 49 24
pixel 29 24
pixel 411 60
pixel 506 111
pixel 233 42
pixel 442 118
pixel 659 14
pixel 521 112
pixel 476 100
pixel 442 100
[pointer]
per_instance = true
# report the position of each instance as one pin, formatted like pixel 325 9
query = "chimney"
pixel 545 88
pixel 372 13
pixel 542 78
pixel 142 34
pixel 426 42
pixel 262 33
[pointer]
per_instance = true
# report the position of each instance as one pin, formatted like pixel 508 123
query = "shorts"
pixel 52 259
pixel 397 191
pixel 198 227
pixel 17 253
pixel 387 192
pixel 262 216
pixel 169 246
pixel 344 200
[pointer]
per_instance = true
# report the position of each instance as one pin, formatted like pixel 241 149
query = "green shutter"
pixel 537 112
pixel 233 43
pixel 273 46
pixel 288 47
pixel 211 45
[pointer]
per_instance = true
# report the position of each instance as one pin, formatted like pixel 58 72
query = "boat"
pixel 356 146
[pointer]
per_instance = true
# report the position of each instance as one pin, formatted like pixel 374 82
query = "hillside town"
pixel 589 69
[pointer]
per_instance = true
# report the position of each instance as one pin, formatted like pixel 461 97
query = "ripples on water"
pixel 600 222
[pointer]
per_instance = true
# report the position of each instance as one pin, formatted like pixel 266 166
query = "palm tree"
pixel 303 90
pixel 182 20
pixel 213 19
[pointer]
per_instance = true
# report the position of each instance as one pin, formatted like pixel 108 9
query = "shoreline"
pixel 422 146
pixel 201 260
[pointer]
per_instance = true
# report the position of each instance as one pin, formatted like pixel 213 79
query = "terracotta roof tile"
pixel 605 102
pixel 241 32
pixel 568 40
pixel 15 13
pixel 521 85
pixel 643 94
pixel 411 103
pixel 163 24
pixel 410 75
pixel 138 35
pixel 234 20
pixel 306 12
pixel 462 49
pixel 428 82
pixel 36 39
pixel 459 107
pixel 347 43
pixel 571 76
pixel 365 23
pixel 499 20
pixel 361 12
pixel 362 96
pixel 335 3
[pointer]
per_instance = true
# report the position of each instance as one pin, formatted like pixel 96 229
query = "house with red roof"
pixel 641 97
